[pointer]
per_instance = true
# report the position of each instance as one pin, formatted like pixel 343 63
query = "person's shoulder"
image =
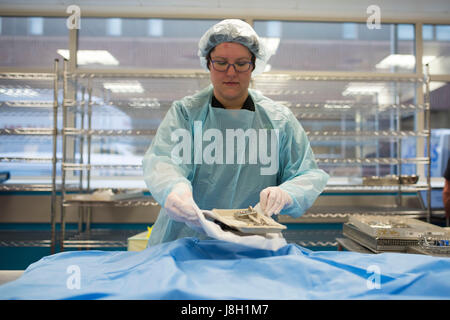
pixel 195 101
pixel 275 110
pixel 191 106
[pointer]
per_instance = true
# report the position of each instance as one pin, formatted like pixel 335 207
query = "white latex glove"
pixel 274 199
pixel 180 205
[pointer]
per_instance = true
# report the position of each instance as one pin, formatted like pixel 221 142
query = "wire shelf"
pixel 26 159
pixel 354 106
pixel 22 238
pixel 421 160
pixel 28 104
pixel 366 134
pixel 99 238
pixel 102 132
pixel 317 76
pixel 25 187
pixel 385 188
pixel 116 203
pixel 28 76
pixel 28 131
pixel 312 238
pixel 76 166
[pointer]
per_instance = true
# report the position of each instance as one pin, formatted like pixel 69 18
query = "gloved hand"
pixel 180 205
pixel 274 199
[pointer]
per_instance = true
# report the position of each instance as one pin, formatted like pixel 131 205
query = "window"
pixel 36 26
pixel 114 27
pixel 155 27
pixel 142 43
pixel 405 32
pixel 32 41
pixel 349 31
pixel 436 48
pixel 325 46
pixel 443 33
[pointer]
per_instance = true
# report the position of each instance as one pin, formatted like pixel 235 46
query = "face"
pixel 230 87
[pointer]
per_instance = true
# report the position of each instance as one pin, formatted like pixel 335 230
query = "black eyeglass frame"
pixel 231 64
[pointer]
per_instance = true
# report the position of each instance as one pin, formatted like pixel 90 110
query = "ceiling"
pixel 437 11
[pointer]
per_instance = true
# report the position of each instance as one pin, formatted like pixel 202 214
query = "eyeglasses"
pixel 222 66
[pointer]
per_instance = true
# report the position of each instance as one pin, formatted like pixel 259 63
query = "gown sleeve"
pixel 163 168
pixel 299 174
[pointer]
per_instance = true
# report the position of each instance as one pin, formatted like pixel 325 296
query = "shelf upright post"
pixel 377 128
pixel 428 131
pixel 81 151
pixel 399 148
pixel 88 177
pixel 54 157
pixel 64 147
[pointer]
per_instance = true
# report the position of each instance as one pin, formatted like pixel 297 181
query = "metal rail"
pixel 344 107
pixel 367 134
pixel 423 160
pixel 28 76
pixel 28 131
pixel 103 132
pixel 116 203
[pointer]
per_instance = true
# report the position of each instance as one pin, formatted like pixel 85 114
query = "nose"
pixel 231 70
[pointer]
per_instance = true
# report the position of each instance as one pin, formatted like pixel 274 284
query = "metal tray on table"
pixel 388 233
pixel 246 221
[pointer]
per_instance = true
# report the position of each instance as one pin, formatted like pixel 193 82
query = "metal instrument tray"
pixel 390 180
pixel 376 245
pixel 382 233
pixel 246 221
pixel 394 227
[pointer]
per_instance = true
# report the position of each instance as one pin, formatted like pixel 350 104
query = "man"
pixel 212 149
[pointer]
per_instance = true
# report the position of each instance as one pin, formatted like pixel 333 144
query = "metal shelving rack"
pixel 403 200
pixel 314 110
pixel 85 236
pixel 33 238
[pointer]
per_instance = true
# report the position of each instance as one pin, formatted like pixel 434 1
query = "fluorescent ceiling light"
pixel 85 57
pixel 124 87
pixel 152 103
pixel 406 61
pixel 336 106
pixel 436 85
pixel 18 92
pixel 361 88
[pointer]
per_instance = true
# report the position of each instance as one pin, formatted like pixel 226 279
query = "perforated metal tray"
pixel 230 218
pixel 394 227
pixel 376 245
pixel 383 233
pixel 390 180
